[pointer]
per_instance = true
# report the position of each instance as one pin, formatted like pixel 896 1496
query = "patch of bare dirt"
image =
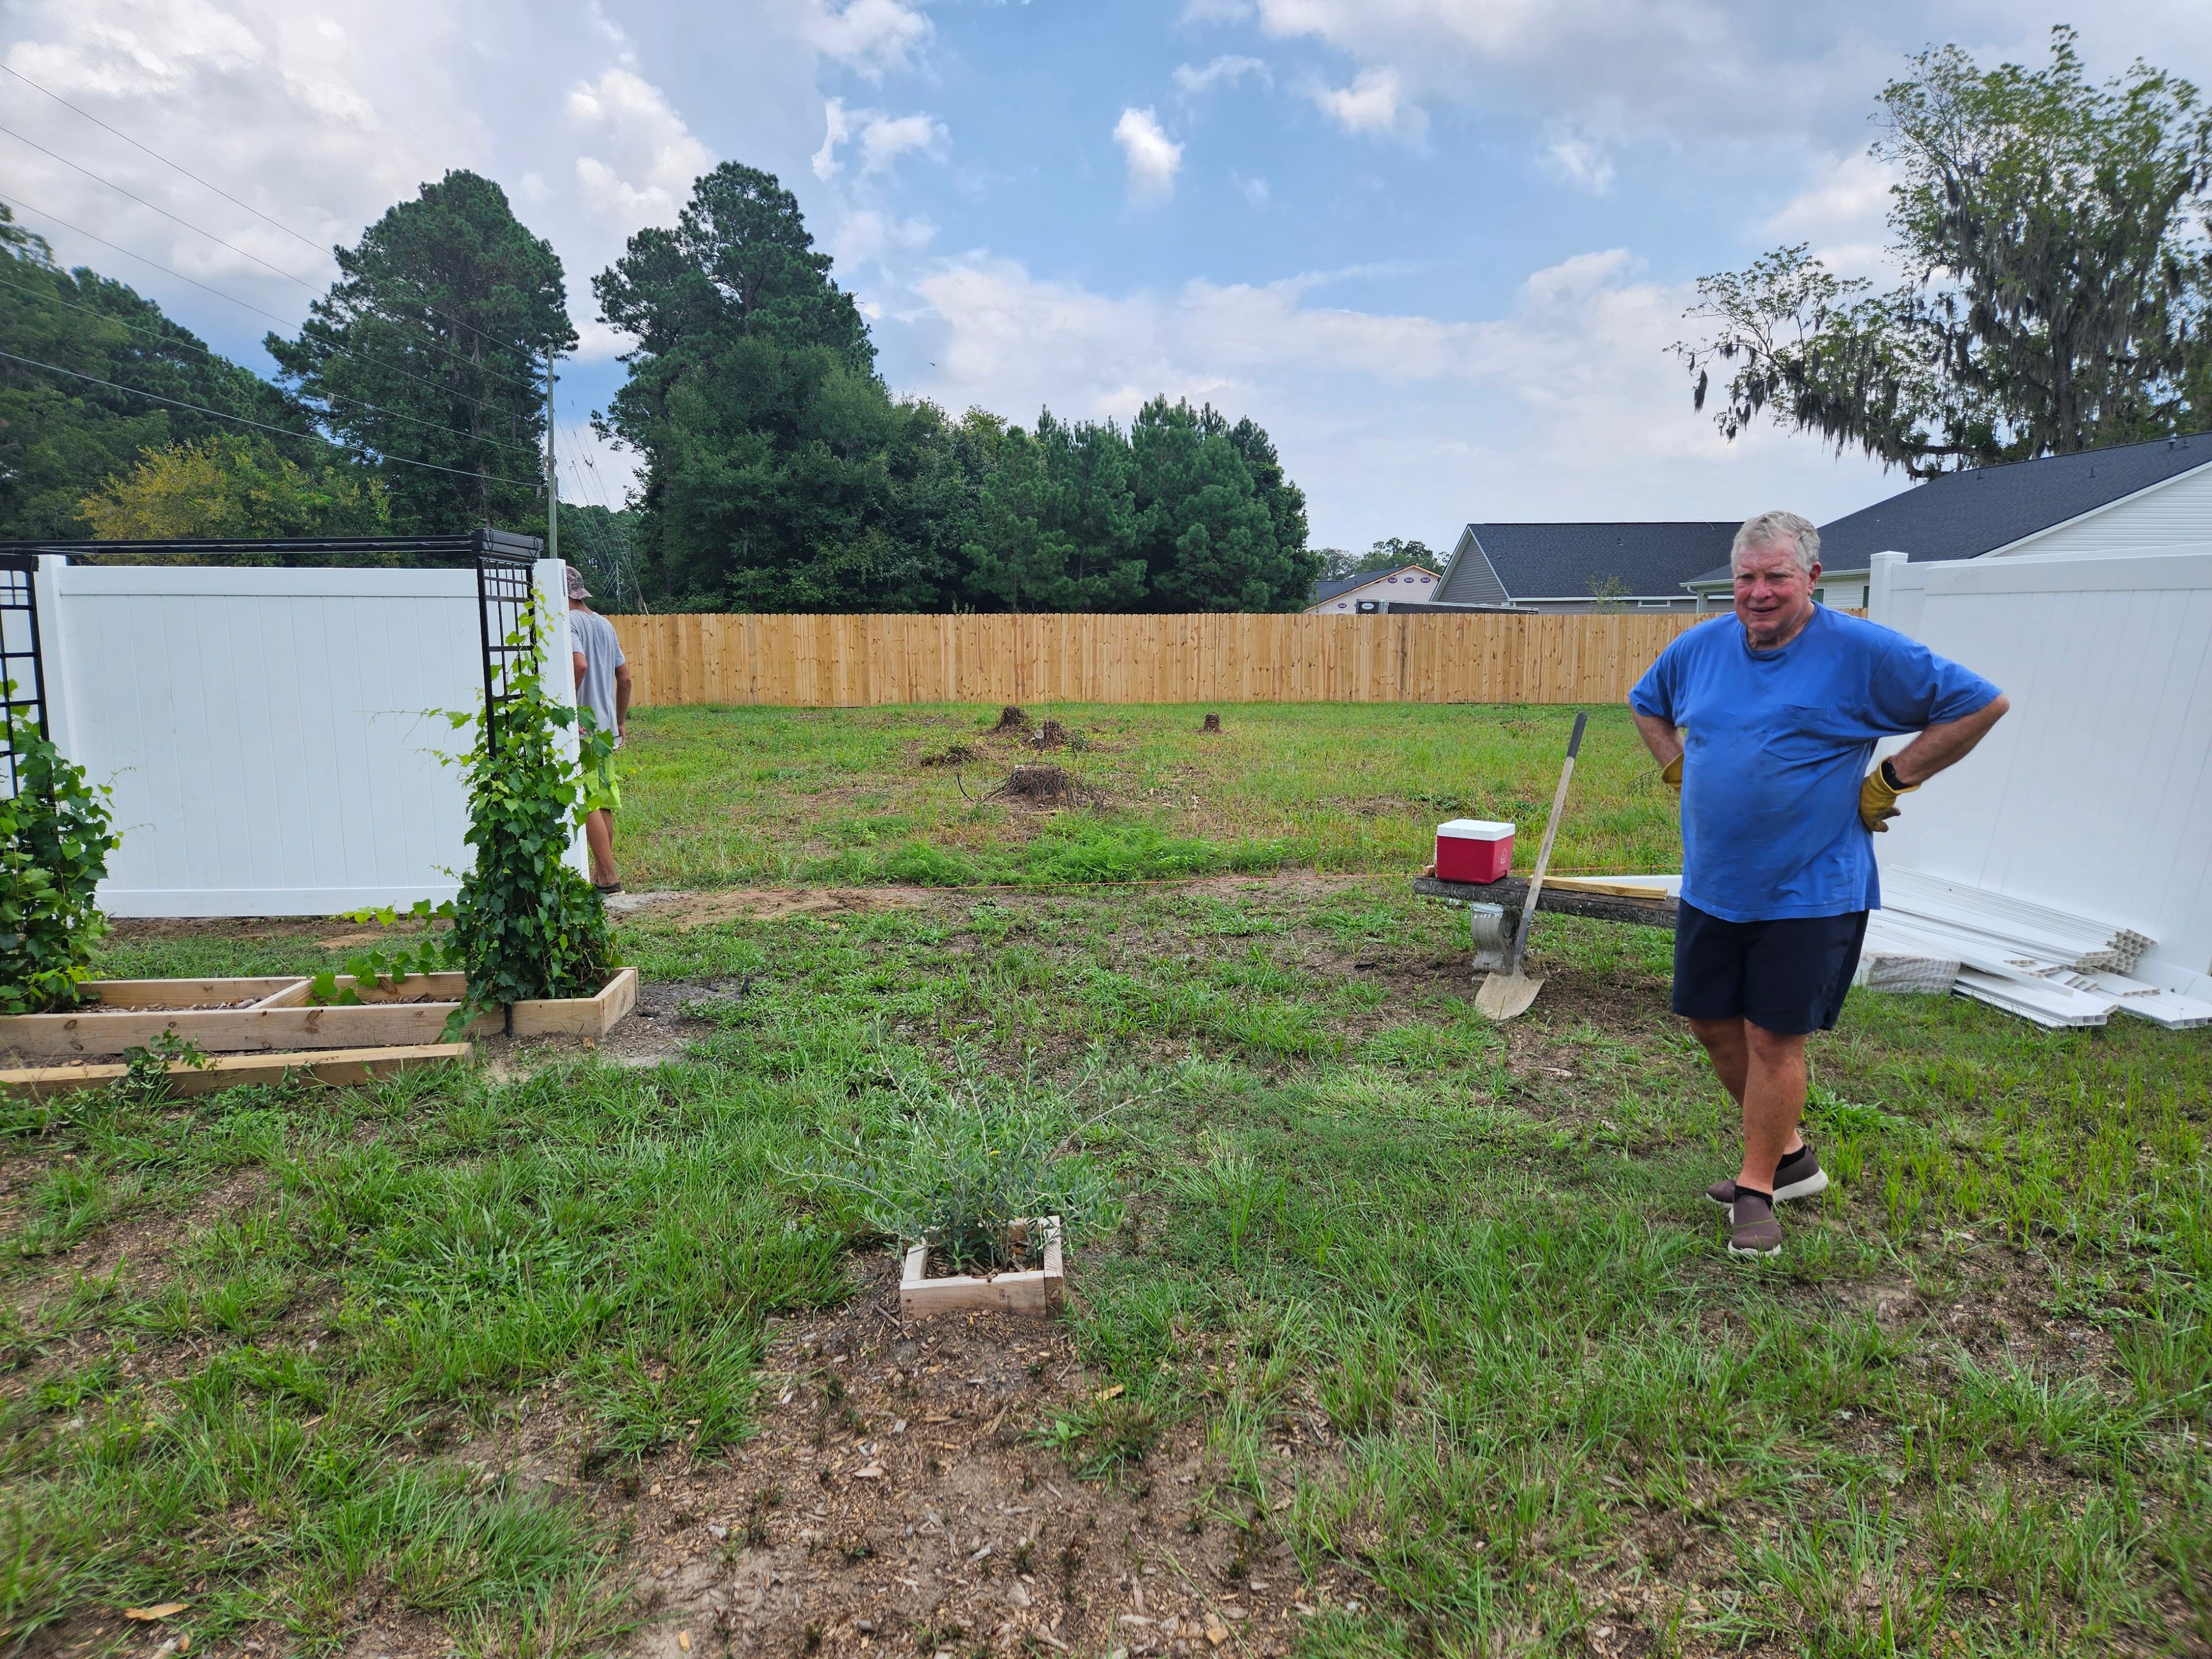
pixel 763 903
pixel 899 1497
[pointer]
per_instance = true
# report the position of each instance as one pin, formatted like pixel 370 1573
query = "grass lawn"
pixel 1393 1332
pixel 715 796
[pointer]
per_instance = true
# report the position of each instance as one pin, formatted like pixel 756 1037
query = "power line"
pixel 199 230
pixel 341 351
pixel 225 415
pixel 157 207
pixel 320 250
pixel 17 201
pixel 194 345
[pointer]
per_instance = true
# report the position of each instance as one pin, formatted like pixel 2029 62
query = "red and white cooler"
pixel 1473 849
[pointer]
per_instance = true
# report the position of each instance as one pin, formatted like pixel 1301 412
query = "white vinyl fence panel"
pixel 2094 794
pixel 271 734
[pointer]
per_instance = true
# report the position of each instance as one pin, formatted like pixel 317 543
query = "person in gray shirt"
pixel 603 687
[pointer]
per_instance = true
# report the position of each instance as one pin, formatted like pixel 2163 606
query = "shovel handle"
pixel 1544 852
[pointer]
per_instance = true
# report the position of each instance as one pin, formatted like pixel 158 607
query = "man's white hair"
pixel 1777 530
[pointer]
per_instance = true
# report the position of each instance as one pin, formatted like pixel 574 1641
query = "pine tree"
pixel 430 347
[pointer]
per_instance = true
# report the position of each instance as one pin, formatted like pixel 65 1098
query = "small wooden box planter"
pixel 583 1016
pixel 273 1016
pixel 1036 1290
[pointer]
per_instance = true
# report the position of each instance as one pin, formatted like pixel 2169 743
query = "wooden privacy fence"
pixel 848 661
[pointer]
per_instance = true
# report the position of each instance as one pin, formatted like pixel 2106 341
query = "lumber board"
pixel 91 1034
pixel 183 993
pixel 1622 887
pixel 1512 892
pixel 335 1067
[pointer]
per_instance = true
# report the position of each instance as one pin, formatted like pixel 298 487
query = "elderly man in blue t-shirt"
pixel 1783 709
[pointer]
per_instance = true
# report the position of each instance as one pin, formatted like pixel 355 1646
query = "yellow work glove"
pixel 1671 775
pixel 1878 798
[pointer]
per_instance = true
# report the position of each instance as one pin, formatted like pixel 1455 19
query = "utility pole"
pixel 552 478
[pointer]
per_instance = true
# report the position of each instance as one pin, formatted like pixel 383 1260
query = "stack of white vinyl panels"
pixel 2066 864
pixel 2057 969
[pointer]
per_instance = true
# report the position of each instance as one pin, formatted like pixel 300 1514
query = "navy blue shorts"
pixel 1787 976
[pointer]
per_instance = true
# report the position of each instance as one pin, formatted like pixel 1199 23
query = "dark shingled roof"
pixel 1963 515
pixel 1333 585
pixel 1562 560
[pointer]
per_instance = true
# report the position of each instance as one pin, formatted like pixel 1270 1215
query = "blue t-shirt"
pixel 1779 744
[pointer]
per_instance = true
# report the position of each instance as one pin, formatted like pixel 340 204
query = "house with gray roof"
pixel 1582 566
pixel 2132 498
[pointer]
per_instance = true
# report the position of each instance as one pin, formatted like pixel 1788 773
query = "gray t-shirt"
pixel 594 635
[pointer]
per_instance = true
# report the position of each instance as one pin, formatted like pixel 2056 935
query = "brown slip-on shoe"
pixel 1798 1176
pixel 1753 1230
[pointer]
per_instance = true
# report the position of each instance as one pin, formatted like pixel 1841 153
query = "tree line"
pixel 779 472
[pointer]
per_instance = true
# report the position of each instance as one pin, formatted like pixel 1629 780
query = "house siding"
pixel 2176 514
pixel 1469 579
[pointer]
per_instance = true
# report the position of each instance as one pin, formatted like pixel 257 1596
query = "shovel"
pixel 1503 995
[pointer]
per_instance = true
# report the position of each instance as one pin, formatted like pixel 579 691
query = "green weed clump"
pixel 1090 850
pixel 956 1169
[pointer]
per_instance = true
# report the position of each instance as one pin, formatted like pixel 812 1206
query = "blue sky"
pixel 1438 247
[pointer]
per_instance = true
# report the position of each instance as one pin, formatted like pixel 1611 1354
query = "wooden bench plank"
pixel 1512 892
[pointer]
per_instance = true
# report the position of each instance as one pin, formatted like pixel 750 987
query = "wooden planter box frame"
pixel 1035 1290
pixel 131 1013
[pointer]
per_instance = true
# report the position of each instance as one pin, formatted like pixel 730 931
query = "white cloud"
pixel 1154 158
pixel 1374 104
pixel 1580 161
pixel 871 36
pixel 839 128
pixel 1232 69
pixel 1565 406
pixel 884 138
pixel 656 156
pixel 868 235
pixel 1844 215
pixel 313 121
pixel 1253 191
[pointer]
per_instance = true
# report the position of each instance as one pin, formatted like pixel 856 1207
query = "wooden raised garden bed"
pixel 274 1016
pixel 1036 1290
pixel 584 1016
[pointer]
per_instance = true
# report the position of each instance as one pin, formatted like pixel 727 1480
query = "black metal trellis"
pixel 507 619
pixel 22 664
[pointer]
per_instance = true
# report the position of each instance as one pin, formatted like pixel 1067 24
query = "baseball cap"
pixel 576 588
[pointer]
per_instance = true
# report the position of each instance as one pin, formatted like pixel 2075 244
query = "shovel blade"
pixel 1504 995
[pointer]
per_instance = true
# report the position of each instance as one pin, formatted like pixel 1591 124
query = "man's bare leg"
pixel 1764 1073
pixel 599 836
